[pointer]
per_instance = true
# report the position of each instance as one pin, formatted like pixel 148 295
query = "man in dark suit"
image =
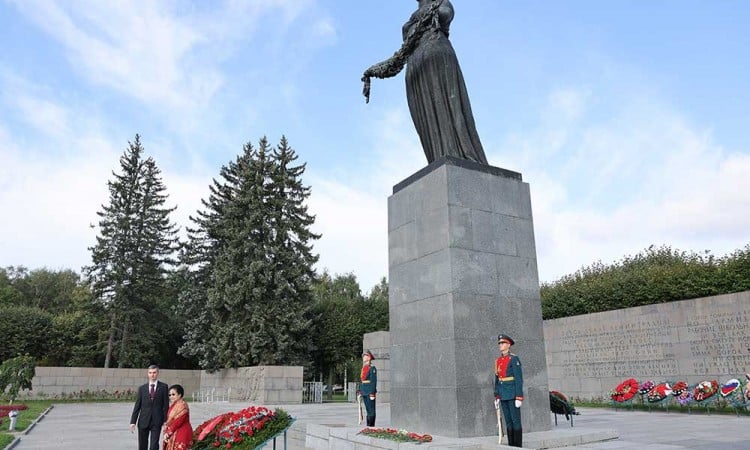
pixel 150 410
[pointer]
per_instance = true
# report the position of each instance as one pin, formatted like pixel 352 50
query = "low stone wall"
pixel 64 381
pixel 262 384
pixel 379 343
pixel 690 340
pixel 588 355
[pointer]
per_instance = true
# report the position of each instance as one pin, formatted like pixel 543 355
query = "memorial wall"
pixel 691 340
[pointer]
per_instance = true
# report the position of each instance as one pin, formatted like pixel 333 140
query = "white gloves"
pixel 518 403
pixel 497 403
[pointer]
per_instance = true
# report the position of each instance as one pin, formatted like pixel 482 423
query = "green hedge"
pixel 656 275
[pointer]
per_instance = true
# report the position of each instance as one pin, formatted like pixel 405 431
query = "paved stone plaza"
pixel 105 426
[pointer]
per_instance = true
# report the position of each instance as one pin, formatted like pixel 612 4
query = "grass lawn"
pixel 5 439
pixel 25 418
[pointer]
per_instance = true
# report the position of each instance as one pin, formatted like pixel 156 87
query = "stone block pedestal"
pixel 462 268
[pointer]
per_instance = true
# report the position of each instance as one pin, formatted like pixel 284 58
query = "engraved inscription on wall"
pixel 692 339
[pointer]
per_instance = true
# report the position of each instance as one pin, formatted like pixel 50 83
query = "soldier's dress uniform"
pixel 508 389
pixel 369 388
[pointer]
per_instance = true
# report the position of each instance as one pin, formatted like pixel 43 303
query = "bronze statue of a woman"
pixel 435 88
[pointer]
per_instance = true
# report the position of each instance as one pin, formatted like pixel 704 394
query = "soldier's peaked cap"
pixel 505 338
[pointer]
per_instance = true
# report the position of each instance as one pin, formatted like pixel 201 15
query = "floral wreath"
pixel 732 392
pixel 730 387
pixel 682 393
pixel 646 386
pixel 245 429
pixel 705 390
pixel 559 404
pixel 625 390
pixel 396 435
pixel 659 392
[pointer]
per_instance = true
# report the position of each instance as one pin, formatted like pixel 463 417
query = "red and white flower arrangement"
pixel 705 390
pixel 659 392
pixel 243 430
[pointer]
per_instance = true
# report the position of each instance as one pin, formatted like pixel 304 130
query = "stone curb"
pixel 26 431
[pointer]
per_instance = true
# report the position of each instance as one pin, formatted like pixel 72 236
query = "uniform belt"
pixel 507 379
pixel 367 381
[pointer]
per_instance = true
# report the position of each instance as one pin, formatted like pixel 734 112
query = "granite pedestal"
pixel 462 268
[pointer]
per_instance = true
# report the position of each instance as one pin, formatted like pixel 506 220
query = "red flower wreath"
pixel 625 390
pixel 679 388
pixel 659 392
pixel 705 390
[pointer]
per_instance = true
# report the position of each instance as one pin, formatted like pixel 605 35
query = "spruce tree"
pixel 132 257
pixel 250 259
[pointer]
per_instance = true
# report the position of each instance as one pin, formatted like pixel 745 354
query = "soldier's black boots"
pixel 515 437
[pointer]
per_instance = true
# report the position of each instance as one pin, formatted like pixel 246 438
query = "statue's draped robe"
pixel 435 88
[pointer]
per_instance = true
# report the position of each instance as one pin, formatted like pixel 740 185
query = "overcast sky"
pixel 629 119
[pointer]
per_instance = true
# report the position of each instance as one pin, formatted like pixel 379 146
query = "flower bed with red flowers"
pixel 625 390
pixel 5 409
pixel 705 390
pixel 243 430
pixel 396 435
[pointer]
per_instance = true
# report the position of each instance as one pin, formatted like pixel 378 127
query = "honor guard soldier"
pixel 509 389
pixel 369 386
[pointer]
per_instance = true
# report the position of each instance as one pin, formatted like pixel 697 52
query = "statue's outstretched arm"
pixel 393 65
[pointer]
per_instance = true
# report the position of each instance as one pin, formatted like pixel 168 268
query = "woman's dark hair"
pixel 178 388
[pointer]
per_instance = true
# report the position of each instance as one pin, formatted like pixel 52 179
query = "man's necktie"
pixel 151 392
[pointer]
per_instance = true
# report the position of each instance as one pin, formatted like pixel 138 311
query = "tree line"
pixel 239 290
pixel 654 275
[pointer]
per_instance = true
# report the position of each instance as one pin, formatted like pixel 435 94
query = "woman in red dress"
pixel 178 433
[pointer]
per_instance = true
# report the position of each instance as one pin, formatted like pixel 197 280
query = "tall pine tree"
pixel 250 264
pixel 131 259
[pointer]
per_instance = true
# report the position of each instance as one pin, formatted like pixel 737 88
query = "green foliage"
pixel 656 275
pixel 342 317
pixel 339 323
pixel 247 300
pixel 9 294
pixel 376 314
pixel 52 291
pixel 73 337
pixel 15 375
pixel 5 438
pixel 78 338
pixel 25 330
pixel 132 258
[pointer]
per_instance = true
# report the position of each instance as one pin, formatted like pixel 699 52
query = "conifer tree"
pixel 132 257
pixel 250 259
